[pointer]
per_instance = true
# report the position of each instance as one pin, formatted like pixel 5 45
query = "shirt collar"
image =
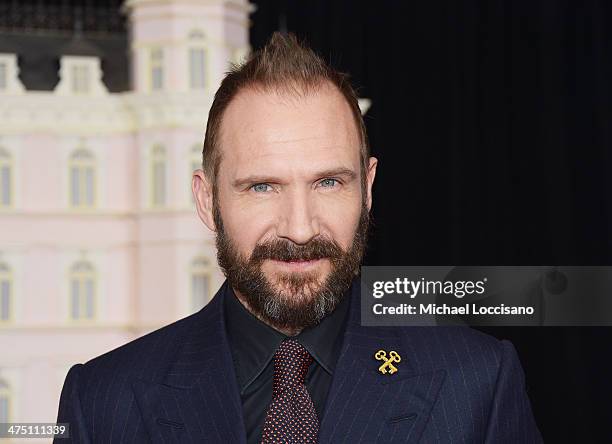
pixel 253 343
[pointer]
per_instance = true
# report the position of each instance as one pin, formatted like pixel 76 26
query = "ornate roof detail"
pixel 62 17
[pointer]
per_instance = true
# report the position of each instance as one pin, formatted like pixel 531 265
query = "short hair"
pixel 283 65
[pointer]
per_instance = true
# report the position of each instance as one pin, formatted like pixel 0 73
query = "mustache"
pixel 285 250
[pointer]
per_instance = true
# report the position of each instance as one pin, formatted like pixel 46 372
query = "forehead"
pixel 268 130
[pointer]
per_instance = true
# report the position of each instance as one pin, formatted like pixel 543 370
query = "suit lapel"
pixel 364 405
pixel 197 399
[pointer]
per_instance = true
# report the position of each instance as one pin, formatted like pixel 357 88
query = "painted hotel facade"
pixel 99 239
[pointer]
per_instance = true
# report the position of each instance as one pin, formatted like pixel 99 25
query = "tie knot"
pixel 291 363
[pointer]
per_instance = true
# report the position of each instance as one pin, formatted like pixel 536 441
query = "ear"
pixel 202 193
pixel 370 175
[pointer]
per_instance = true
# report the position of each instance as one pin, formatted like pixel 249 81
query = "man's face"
pixel 289 211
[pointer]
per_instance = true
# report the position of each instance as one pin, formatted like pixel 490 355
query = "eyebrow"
pixel 345 173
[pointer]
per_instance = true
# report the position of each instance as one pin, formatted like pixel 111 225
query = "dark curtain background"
pixel 492 124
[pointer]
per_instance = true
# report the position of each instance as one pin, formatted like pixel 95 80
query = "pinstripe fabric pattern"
pixel 177 385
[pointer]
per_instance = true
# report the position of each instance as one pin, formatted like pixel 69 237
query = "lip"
pixel 298 265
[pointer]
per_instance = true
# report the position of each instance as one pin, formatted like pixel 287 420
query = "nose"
pixel 298 221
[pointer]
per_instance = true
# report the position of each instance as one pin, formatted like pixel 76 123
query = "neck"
pixel 288 331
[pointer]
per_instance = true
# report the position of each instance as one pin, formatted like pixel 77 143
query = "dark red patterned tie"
pixel 291 417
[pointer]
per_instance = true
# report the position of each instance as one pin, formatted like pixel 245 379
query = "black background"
pixel 492 124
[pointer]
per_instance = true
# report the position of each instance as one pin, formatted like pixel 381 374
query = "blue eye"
pixel 328 183
pixel 260 187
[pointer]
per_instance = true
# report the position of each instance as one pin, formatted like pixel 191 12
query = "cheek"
pixel 341 222
pixel 244 228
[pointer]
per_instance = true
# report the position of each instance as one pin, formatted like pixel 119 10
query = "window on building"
pixel 200 283
pixel 5 178
pixel 82 179
pixel 3 74
pixel 82 291
pixel 197 68
pixel 80 79
pixel 197 60
pixel 158 176
pixel 157 69
pixel 6 286
pixel 5 401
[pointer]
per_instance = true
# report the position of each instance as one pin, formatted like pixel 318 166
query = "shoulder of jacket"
pixel 141 355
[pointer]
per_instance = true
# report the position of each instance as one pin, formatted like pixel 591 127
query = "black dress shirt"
pixel 253 345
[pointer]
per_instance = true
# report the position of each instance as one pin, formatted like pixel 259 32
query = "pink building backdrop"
pixel 99 239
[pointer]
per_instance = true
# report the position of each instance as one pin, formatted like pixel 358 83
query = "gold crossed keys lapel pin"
pixel 387 366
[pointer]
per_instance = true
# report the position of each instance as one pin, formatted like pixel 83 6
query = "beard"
pixel 296 300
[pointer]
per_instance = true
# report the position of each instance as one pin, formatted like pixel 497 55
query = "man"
pixel 279 354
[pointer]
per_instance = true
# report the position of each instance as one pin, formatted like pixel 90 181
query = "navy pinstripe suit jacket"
pixel 177 385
